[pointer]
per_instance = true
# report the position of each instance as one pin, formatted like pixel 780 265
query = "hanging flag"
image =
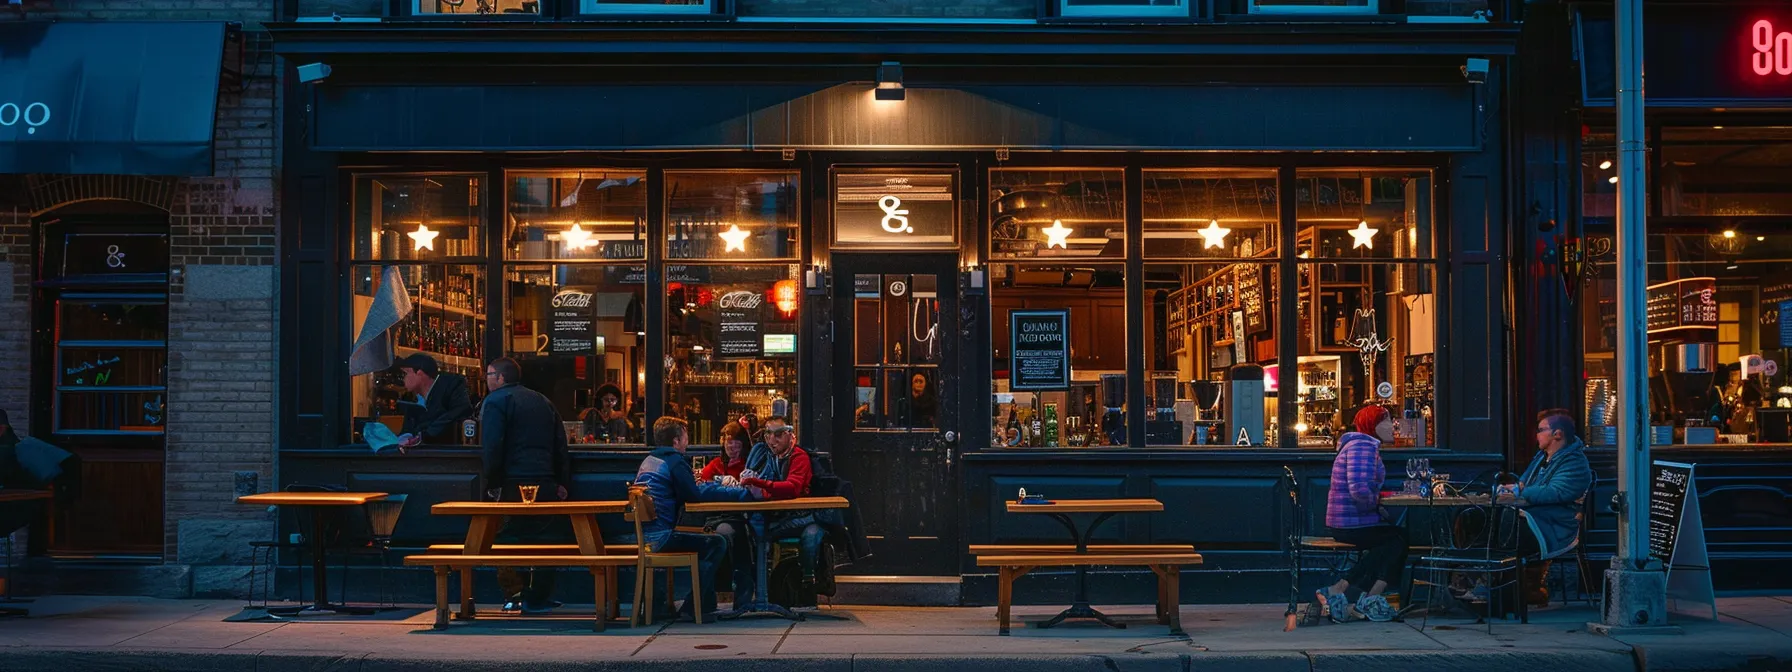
pixel 373 346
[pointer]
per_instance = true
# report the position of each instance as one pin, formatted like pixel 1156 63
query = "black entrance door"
pixel 896 394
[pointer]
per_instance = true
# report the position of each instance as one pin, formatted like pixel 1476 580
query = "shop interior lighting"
pixel 1613 179
pixel 1729 233
pixel 1057 235
pixel 1363 236
pixel 735 237
pixel 577 238
pixel 423 238
pixel 889 81
pixel 1759 239
pixel 1214 233
pixel 1605 165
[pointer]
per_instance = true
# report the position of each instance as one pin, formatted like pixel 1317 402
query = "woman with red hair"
pixel 1354 514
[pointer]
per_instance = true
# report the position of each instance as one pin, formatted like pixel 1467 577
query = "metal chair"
pixel 1335 555
pixel 382 519
pixel 1494 558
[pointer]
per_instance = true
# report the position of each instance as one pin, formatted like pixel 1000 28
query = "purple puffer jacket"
pixel 1357 474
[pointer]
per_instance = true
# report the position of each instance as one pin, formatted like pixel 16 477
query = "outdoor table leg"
pixel 761 600
pixel 1080 608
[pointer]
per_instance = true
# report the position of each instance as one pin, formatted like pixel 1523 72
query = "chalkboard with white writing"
pixel 1668 483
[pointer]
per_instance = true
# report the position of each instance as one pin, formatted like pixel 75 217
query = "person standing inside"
pixel 666 474
pixel 1354 514
pixel 523 444
pixel 442 402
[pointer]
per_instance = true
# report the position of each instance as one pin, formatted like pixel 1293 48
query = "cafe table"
pixel 1434 503
pixel 756 511
pixel 487 518
pixel 16 495
pixel 1060 510
pixel 312 502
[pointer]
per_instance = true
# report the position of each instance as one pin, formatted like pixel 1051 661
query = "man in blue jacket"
pixel 667 476
pixel 1550 493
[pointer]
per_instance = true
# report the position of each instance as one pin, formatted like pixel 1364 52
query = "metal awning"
pixel 112 98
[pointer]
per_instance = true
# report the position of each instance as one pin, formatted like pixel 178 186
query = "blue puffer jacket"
pixel 668 479
pixel 1552 494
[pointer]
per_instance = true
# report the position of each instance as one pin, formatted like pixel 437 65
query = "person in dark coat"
pixel 524 444
pixel 442 402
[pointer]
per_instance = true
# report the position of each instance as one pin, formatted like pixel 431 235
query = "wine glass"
pixel 1412 475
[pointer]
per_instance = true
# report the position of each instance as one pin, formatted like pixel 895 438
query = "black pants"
pixel 535 588
pixel 1384 554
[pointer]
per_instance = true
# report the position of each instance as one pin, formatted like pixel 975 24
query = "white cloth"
pixel 373 346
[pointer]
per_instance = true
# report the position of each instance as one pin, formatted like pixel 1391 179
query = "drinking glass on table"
pixel 1411 486
pixel 529 492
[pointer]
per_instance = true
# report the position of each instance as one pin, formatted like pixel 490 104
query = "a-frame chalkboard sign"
pixel 1677 535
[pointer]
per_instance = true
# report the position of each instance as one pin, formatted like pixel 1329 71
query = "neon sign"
pixel 1773 51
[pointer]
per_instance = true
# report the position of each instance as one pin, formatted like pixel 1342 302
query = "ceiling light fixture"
pixel 576 238
pixel 1605 165
pixel 1613 179
pixel 1057 235
pixel 1729 233
pixel 1214 233
pixel 735 237
pixel 423 238
pixel 889 81
pixel 1362 235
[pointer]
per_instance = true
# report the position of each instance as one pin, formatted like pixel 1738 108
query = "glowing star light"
pixel 1363 236
pixel 1057 235
pixel 1214 233
pixel 576 238
pixel 423 238
pixel 735 237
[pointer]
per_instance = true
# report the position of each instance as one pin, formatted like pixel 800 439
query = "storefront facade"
pixel 1719 106
pixel 916 240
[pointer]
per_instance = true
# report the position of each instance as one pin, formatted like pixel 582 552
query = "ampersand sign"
pixel 894 212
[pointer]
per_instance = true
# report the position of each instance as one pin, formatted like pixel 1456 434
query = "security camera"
pixel 313 72
pixel 1475 71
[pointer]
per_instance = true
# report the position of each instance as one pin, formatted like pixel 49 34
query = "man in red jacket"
pixel 783 471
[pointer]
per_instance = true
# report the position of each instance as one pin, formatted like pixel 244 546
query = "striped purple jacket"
pixel 1357 474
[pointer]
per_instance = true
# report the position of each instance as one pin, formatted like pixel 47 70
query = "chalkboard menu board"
pixel 571 326
pixel 1690 303
pixel 1039 343
pixel 1250 297
pixel 739 334
pixel 1668 482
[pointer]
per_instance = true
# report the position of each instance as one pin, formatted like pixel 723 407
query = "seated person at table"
pixel 524 445
pixel 666 475
pixel 1354 514
pixel 1549 493
pixel 726 470
pixel 607 422
pixel 441 405
pixel 783 470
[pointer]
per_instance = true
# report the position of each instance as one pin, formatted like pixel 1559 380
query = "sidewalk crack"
pixel 783 637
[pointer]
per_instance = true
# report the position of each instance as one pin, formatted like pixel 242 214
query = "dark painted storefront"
pixel 1285 106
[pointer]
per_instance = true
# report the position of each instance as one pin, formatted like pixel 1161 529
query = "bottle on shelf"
pixel 1012 428
pixel 1051 425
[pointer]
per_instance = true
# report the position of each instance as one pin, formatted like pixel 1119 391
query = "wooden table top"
pixel 23 495
pixel 798 504
pixel 1088 506
pixel 565 508
pixel 312 498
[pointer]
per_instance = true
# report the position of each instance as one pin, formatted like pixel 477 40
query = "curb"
pixel 193 660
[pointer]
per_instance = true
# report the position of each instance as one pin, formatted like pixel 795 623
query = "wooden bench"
pixel 1326 544
pixel 1167 567
pixel 1029 549
pixel 601 567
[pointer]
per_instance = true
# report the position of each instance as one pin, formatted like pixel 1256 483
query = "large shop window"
pixel 1367 304
pixel 1122 8
pixel 645 6
pixel 430 228
pixel 578 328
pixel 731 312
pixel 476 8
pixel 1719 302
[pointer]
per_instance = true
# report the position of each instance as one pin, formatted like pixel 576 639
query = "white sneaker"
pixel 1375 608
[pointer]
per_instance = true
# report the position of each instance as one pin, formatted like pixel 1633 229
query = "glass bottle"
pixel 1051 425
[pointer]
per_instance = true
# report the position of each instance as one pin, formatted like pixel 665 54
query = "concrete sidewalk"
pixel 122 633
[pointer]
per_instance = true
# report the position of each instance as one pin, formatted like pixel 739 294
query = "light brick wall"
pixel 222 334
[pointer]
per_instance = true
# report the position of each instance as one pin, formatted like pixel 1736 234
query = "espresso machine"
pixel 1208 425
pixel 1163 428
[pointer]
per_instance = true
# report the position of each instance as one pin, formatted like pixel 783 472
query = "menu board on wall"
pixel 1039 347
pixel 1250 297
pixel 1690 303
pixel 572 328
pixel 739 334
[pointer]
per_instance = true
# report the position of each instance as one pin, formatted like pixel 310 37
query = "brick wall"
pixel 221 339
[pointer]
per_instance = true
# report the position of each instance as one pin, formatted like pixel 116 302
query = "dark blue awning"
pixel 112 98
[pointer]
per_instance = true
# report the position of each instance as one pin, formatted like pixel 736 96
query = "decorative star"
pixel 1363 235
pixel 1214 233
pixel 735 237
pixel 576 238
pixel 1057 234
pixel 423 238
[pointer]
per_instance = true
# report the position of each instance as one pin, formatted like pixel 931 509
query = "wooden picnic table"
pixel 761 602
pixel 1059 510
pixel 487 518
pixel 12 495
pixel 311 501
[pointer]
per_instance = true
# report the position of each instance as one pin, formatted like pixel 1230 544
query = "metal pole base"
pixel 1634 598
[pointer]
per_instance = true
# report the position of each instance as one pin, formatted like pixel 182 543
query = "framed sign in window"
pixel 1039 349
pixel 896 210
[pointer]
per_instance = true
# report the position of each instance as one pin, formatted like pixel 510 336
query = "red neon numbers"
pixel 1773 51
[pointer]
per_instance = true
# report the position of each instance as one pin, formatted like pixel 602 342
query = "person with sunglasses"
pixel 1550 493
pixel 783 470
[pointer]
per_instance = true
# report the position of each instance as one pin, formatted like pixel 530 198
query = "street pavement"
pixel 126 633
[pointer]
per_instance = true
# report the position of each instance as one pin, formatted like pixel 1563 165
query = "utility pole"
pixel 1635 585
